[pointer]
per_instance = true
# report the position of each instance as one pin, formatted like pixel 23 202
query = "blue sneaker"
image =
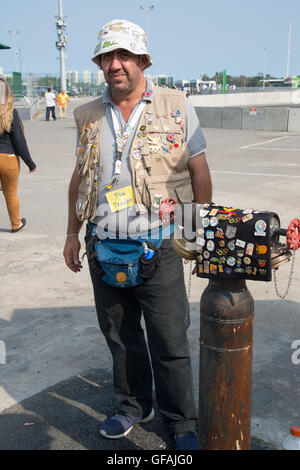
pixel 186 441
pixel 121 424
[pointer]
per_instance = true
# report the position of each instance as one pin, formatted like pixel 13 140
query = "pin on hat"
pixel 121 34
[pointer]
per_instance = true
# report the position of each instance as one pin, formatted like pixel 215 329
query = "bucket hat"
pixel 121 34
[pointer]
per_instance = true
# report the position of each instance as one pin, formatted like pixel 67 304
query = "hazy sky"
pixel 187 38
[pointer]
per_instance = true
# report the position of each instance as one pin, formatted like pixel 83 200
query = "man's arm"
pixel 200 177
pixel 72 245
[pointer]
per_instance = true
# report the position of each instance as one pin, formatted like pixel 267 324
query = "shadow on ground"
pixel 66 416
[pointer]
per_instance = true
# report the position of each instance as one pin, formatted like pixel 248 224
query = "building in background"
pixel 73 77
pixel 161 80
pixel 87 76
pixel 99 78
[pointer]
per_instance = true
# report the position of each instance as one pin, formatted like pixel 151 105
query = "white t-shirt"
pixel 50 99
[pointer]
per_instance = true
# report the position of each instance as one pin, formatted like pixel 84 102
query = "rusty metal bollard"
pixel 231 246
pixel 226 344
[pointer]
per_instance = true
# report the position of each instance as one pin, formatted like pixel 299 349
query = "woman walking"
pixel 12 146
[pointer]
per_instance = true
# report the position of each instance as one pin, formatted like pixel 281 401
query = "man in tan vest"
pixel 140 153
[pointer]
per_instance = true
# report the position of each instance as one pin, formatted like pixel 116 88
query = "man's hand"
pixel 71 254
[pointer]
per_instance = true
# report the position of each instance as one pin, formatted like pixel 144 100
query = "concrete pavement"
pixel 56 385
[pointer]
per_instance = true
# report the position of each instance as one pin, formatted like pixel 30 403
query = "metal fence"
pixel 78 84
pixel 86 83
pixel 249 89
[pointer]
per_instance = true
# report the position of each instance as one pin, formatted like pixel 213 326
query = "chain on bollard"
pixel 283 296
pixel 231 246
pixel 282 254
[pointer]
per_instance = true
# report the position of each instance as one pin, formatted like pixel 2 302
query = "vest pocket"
pixel 157 189
pixel 185 193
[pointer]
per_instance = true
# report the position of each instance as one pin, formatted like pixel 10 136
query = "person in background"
pixel 12 146
pixel 62 100
pixel 50 104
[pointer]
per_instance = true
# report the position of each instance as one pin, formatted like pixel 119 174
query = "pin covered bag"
pixel 234 243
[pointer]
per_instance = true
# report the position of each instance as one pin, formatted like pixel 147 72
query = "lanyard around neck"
pixel 122 137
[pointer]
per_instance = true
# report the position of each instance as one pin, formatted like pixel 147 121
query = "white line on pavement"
pixel 254 174
pixel 272 148
pixel 266 142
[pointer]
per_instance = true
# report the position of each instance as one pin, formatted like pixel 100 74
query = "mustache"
pixel 112 73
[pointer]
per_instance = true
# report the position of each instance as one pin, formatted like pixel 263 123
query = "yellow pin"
pixel 121 277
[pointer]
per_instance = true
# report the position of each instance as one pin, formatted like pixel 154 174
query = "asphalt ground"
pixel 55 368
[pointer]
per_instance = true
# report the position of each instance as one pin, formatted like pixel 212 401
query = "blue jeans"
pixel 48 110
pixel 162 301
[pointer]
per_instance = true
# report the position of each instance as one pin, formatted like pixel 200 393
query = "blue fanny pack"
pixel 124 262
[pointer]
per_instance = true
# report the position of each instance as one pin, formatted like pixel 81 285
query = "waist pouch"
pixel 122 262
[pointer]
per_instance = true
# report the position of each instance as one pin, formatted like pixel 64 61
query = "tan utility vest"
pixel 158 157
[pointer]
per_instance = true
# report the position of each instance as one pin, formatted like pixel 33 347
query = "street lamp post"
pixel 61 44
pixel 288 51
pixel 18 51
pixel 264 76
pixel 147 9
pixel 14 34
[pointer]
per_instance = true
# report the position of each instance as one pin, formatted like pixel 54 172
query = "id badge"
pixel 120 199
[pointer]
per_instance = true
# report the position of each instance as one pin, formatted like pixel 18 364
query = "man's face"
pixel 122 70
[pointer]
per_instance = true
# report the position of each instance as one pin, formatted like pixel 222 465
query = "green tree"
pixel 205 77
pixel 254 81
